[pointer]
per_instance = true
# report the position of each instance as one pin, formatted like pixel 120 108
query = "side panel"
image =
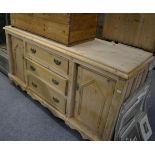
pixel 18 57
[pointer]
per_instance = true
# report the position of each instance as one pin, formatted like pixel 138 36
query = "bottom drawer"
pixel 46 93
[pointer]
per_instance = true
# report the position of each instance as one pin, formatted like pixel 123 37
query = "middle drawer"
pixel 57 82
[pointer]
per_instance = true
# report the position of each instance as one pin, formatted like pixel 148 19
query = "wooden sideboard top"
pixel 119 59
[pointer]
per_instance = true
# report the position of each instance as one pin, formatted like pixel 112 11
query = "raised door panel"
pixel 93 98
pixel 18 57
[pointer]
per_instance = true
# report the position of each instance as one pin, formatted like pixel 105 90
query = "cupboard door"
pixel 93 98
pixel 18 56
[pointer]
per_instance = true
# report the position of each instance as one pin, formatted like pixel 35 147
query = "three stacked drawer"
pixel 43 71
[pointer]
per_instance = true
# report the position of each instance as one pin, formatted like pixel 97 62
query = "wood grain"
pixel 94 80
pixel 118 59
pixel 57 82
pixel 18 57
pixel 51 61
pixel 46 93
pixel 93 94
pixel 64 28
pixel 133 29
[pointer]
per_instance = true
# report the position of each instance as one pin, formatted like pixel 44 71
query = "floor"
pixel 22 118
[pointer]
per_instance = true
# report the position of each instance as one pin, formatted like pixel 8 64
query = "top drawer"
pixel 47 59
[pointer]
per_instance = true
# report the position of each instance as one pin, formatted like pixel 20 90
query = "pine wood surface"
pixel 117 58
pixel 64 28
pixel 94 89
pixel 136 29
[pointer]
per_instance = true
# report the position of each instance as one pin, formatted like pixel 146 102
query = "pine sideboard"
pixel 85 85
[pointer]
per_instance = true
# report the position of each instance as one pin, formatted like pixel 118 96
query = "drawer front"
pixel 52 78
pixel 58 101
pixel 59 64
pixel 47 59
pixel 45 92
pixel 39 54
pixel 39 88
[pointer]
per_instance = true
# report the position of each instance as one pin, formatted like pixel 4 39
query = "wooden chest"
pixel 64 28
pixel 132 29
pixel 84 85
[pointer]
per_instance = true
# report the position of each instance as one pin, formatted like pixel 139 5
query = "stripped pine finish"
pixel 137 81
pixel 51 78
pixel 18 58
pixel 85 85
pixel 45 92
